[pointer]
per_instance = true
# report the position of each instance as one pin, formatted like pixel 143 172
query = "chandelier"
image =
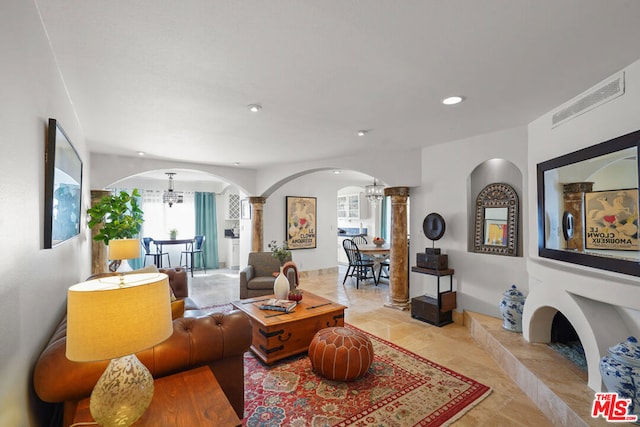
pixel 374 193
pixel 171 196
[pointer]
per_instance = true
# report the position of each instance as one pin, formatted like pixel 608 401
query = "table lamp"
pixel 109 320
pixel 121 250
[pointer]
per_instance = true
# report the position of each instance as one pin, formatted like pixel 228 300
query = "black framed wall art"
pixel 63 187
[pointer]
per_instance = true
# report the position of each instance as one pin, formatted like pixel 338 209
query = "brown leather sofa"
pixel 216 339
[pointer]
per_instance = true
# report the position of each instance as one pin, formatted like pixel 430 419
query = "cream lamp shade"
pixel 106 320
pixel 120 249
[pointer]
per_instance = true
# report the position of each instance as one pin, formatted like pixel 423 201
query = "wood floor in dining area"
pixel 451 345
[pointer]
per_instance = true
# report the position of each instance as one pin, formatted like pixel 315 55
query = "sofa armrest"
pixel 177 280
pixel 246 274
pixel 195 342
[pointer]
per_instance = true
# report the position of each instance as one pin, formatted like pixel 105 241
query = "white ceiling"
pixel 173 78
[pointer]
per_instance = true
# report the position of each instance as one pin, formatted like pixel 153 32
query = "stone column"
pixel 99 261
pixel 257 203
pixel 399 256
pixel 573 194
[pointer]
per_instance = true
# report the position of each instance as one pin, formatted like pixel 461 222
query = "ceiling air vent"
pixel 610 89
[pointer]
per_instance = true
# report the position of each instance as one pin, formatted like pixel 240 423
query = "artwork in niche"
pixel 301 222
pixel 588 206
pixel 496 222
pixel 611 220
pixel 63 187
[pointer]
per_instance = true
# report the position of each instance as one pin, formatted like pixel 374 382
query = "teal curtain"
pixel 385 219
pixel 206 225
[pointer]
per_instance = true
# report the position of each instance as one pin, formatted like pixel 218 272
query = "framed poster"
pixel 301 222
pixel 611 220
pixel 62 187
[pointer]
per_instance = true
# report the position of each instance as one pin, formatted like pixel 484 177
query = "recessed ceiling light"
pixel 452 100
pixel 361 132
pixel 254 108
pixel 140 153
pixel 337 171
pixel 236 163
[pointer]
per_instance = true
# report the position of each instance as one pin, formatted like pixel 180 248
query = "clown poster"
pixel 611 220
pixel 301 222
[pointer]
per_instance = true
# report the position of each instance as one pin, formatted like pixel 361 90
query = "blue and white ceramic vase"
pixel 511 307
pixel 620 372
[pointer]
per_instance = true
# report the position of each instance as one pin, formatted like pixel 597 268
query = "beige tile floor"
pixel 451 346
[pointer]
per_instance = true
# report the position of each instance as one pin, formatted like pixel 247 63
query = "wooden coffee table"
pixel 277 335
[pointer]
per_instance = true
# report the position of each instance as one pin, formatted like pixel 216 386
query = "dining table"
pixel 379 254
pixel 161 242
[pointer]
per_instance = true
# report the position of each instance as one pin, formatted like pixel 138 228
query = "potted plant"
pixel 282 254
pixel 119 216
pixel 173 233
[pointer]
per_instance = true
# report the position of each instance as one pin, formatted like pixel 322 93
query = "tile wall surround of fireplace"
pixel 603 307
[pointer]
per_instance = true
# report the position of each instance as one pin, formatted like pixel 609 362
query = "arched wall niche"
pixel 489 172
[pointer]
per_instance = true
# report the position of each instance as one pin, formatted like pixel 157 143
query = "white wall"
pixel 615 118
pixel 480 279
pixel 326 190
pixel 34 280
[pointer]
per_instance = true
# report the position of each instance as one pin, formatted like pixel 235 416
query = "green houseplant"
pixel 281 253
pixel 119 214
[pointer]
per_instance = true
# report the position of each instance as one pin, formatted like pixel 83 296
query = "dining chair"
pixel 157 255
pixel 359 267
pixel 193 249
pixel 361 239
pixel 383 269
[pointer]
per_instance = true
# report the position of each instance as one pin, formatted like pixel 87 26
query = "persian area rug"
pixel 400 389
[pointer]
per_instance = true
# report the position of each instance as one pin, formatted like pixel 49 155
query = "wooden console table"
pixel 436 311
pixel 186 399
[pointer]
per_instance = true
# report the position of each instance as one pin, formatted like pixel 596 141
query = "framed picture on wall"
pixel 62 187
pixel 301 222
pixel 245 209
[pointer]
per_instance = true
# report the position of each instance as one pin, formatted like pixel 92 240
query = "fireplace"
pixel 588 305
pixel 565 340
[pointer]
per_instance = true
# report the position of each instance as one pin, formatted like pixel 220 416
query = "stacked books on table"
pixel 279 305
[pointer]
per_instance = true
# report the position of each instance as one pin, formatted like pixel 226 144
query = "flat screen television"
pixel 62 187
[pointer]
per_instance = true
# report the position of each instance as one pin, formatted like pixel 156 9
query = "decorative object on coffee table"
pixel 340 353
pixel 282 254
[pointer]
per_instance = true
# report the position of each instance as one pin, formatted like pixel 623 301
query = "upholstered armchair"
pixel 257 278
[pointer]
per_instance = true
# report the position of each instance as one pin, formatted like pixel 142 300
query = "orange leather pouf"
pixel 340 354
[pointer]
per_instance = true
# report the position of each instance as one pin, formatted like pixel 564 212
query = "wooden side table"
pixel 436 311
pixel 186 399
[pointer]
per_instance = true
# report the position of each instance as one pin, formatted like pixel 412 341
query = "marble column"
pixel 99 261
pixel 573 195
pixel 257 204
pixel 399 249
